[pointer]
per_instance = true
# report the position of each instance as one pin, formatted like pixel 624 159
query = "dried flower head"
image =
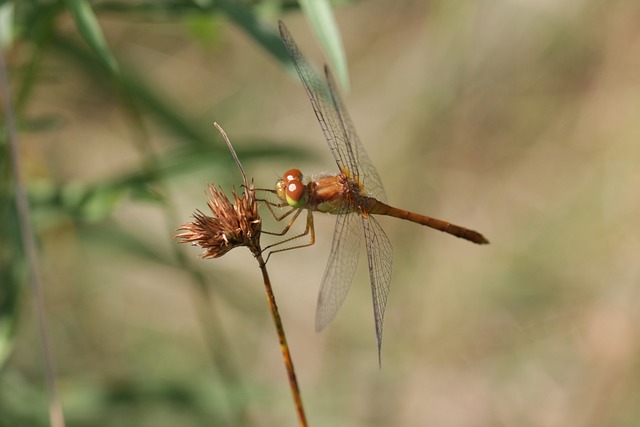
pixel 232 224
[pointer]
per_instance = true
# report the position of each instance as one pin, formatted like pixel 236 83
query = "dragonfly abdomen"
pixel 376 207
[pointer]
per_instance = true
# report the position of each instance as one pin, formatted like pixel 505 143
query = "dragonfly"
pixel 354 194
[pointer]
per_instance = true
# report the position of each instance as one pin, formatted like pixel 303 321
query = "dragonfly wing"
pixel 322 102
pixel 341 267
pixel 334 120
pixel 359 162
pixel 380 257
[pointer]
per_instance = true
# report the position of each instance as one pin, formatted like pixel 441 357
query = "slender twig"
pixel 56 414
pixel 233 152
pixel 254 247
pixel 284 347
pixel 239 224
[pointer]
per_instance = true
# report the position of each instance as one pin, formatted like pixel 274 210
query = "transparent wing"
pixel 380 257
pixel 367 172
pixel 338 275
pixel 335 122
pixel 323 104
pixel 352 160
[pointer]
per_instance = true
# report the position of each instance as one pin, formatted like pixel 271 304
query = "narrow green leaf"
pixel 6 24
pixel 320 16
pixel 90 30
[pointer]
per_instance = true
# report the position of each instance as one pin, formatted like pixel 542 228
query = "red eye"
pixel 295 193
pixel 292 174
pixel 295 189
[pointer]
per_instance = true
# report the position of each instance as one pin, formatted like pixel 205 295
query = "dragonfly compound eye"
pixel 281 190
pixel 295 193
pixel 292 174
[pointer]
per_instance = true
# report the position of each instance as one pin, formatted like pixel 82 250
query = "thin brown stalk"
pixel 239 224
pixel 284 347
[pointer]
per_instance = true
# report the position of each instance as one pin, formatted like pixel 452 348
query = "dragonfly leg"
pixel 309 230
pixel 285 230
pixel 274 201
pixel 271 205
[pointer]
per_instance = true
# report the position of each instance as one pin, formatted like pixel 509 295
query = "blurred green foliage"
pixel 518 119
pixel 35 33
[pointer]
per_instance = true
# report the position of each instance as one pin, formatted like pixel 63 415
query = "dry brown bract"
pixel 232 224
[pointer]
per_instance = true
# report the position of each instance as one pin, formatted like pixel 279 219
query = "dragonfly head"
pixel 291 189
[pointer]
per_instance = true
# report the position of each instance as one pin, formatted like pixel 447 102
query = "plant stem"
pixel 284 347
pixel 56 414
pixel 247 206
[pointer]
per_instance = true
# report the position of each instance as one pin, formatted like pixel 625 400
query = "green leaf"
pixel 90 30
pixel 204 28
pixel 6 24
pixel 320 16
pixel 101 202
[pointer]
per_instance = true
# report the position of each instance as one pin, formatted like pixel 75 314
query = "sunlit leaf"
pixel 6 24
pixel 90 30
pixel 321 18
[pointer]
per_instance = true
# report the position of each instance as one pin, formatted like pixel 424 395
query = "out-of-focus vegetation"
pixel 515 118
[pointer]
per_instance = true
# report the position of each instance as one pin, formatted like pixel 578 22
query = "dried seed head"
pixel 232 224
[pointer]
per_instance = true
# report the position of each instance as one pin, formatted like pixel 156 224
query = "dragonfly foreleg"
pixel 309 230
pixel 285 230
pixel 275 201
pixel 271 205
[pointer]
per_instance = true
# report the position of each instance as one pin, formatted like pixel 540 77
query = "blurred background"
pixel 515 118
